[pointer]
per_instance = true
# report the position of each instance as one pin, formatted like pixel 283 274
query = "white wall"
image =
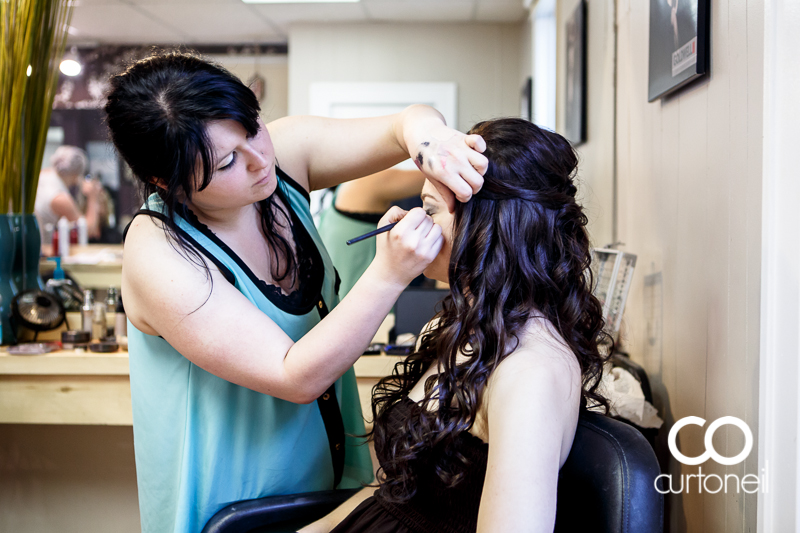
pixel 483 59
pixel 689 182
pixel 274 69
pixel 596 167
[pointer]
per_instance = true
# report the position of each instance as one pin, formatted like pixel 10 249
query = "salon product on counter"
pixel 374 348
pixel 83 231
pixel 87 310
pixel 104 347
pixel 33 348
pixel 121 320
pixel 111 311
pixel 63 237
pixel 64 288
pixel 75 339
pixel 99 320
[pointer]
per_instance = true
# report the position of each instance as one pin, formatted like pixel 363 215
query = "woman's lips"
pixel 262 181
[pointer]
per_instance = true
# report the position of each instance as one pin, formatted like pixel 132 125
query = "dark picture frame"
pixel 526 100
pixel 575 85
pixel 679 45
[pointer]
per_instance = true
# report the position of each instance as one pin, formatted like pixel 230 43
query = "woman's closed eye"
pixel 230 161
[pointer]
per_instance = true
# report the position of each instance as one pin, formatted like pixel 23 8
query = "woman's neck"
pixel 224 219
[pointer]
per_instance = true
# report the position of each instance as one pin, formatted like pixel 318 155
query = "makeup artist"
pixel 240 366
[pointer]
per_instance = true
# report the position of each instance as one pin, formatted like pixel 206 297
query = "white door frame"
pixel 779 371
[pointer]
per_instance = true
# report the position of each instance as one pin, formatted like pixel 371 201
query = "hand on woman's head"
pixel 455 166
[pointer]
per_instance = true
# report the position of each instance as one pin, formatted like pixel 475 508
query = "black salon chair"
pixel 606 485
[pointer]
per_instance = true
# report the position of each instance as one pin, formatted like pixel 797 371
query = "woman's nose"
pixel 257 160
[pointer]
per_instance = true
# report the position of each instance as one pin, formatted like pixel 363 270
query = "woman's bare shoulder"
pixel 542 373
pixel 156 276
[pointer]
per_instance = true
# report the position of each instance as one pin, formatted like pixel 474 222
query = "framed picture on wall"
pixel 679 44
pixel 575 86
pixel 526 100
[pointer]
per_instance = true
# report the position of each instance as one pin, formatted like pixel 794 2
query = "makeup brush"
pixel 372 233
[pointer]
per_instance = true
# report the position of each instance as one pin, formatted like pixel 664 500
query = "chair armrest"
pixel 244 516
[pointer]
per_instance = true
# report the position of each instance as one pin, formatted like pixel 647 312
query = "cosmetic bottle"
pixel 111 311
pixel 121 322
pixel 83 232
pixel 99 321
pixel 87 310
pixel 63 237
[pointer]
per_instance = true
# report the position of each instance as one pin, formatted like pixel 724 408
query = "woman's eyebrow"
pixel 426 195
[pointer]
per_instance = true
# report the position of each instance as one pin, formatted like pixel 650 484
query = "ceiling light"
pixel 30 69
pixel 70 65
pixel 300 1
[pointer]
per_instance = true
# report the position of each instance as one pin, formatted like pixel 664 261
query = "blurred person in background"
pixel 53 198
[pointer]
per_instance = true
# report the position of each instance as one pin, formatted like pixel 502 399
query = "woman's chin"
pixel 434 274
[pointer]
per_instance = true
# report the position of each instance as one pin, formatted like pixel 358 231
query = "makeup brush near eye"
pixel 372 233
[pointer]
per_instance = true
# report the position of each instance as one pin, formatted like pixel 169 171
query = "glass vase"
pixel 8 288
pixel 28 250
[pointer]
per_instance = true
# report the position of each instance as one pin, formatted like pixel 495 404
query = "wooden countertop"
pixel 86 388
pixel 82 363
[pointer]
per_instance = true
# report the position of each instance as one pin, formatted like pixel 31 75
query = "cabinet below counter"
pixel 84 388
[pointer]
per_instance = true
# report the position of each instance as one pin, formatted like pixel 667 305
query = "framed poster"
pixel 575 99
pixel 526 100
pixel 679 44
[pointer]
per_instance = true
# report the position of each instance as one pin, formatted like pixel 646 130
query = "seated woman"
pixel 472 429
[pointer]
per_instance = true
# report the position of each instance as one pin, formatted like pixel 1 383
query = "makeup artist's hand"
pixel 452 161
pixel 405 251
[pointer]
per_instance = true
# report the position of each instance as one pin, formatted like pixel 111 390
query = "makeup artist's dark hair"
pixel 158 110
pixel 519 249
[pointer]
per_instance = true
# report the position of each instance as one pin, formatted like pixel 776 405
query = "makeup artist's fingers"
pixel 405 251
pixel 432 242
pixel 395 214
pixel 446 194
pixel 476 142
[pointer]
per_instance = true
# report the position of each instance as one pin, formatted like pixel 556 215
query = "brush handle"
pixel 371 233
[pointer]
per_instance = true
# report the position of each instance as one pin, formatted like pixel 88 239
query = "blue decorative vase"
pixel 7 286
pixel 28 250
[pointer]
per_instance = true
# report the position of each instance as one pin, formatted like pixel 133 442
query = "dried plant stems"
pixel 32 33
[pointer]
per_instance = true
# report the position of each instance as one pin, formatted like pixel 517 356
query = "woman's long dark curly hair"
pixel 519 249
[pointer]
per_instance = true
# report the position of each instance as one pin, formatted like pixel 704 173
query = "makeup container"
pixel 75 340
pixel 103 347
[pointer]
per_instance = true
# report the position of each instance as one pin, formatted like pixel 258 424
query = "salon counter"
pixel 94 266
pixel 84 388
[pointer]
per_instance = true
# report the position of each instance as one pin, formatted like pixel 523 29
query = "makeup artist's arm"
pixel 217 328
pixel 322 152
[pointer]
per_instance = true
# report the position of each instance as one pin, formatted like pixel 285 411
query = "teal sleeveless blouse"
pixel 201 442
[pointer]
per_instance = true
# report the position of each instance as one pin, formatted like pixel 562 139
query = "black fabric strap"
pixel 332 418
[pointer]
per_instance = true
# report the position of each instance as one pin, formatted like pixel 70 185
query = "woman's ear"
pixel 158 182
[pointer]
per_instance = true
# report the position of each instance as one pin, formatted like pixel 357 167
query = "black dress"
pixel 434 508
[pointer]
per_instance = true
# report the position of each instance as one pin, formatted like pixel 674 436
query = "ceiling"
pixel 232 21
